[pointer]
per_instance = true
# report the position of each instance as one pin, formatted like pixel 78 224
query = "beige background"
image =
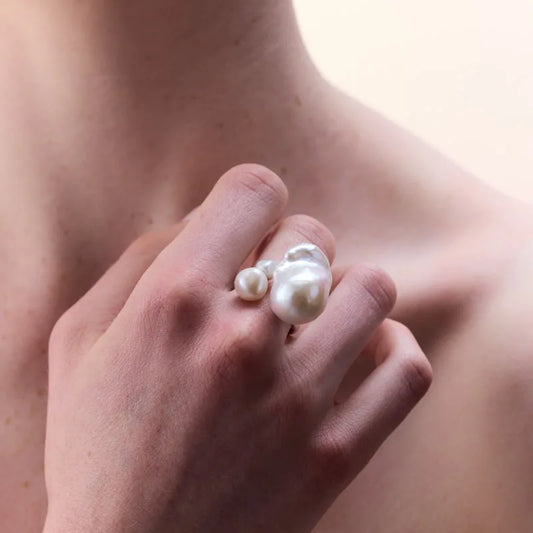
pixel 458 73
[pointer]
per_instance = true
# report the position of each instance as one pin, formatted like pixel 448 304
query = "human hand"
pixel 176 406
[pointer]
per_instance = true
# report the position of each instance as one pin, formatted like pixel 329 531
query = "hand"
pixel 176 406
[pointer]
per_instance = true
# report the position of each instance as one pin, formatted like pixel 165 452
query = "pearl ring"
pixel 300 283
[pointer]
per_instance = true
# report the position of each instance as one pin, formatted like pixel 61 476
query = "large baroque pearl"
pixel 267 266
pixel 251 284
pixel 301 284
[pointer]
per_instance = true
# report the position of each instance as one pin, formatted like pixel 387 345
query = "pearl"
pixel 301 284
pixel 251 284
pixel 267 266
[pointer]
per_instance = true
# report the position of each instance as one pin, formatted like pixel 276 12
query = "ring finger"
pixel 357 306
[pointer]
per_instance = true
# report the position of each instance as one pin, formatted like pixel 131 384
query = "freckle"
pixel 236 42
pixel 298 101
pixel 7 421
pixel 89 453
pixel 63 277
pixel 150 220
pixel 283 171
pixel 26 484
pixel 220 125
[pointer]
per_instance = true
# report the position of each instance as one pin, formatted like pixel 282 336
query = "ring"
pixel 300 283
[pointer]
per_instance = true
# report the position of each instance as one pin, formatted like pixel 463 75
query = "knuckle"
pixel 60 332
pixel 147 244
pixel 259 180
pixel 243 351
pixel 152 242
pixel 416 373
pixel 311 230
pixel 245 338
pixel 303 401
pixel 333 459
pixel 400 329
pixel 377 285
pixel 66 335
pixel 178 299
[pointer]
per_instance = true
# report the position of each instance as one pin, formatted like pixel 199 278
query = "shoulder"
pixel 500 315
pixel 499 338
pixel 506 301
pixel 492 359
pixel 498 335
pixel 474 297
pixel 502 320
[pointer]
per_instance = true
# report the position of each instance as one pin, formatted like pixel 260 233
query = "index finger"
pixel 243 206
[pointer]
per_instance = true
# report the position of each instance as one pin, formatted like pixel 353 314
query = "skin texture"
pixel 118 118
pixel 196 411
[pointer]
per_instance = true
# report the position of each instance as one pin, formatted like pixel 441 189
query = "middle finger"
pixel 236 215
pixel 293 230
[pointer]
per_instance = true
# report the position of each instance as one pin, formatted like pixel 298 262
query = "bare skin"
pixel 174 406
pixel 118 118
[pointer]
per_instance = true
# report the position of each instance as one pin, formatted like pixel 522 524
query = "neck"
pixel 123 114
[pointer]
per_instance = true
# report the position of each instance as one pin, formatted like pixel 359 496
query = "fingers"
pixel 291 231
pixel 294 230
pixel 353 431
pixel 330 344
pixel 99 306
pixel 243 206
pixel 241 209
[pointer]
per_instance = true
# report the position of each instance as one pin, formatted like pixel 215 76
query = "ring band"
pixel 300 283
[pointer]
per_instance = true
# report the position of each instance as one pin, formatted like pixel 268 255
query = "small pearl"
pixel 267 266
pixel 251 284
pixel 301 285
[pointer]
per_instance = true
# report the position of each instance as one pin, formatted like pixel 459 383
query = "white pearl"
pixel 301 284
pixel 251 284
pixel 267 266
